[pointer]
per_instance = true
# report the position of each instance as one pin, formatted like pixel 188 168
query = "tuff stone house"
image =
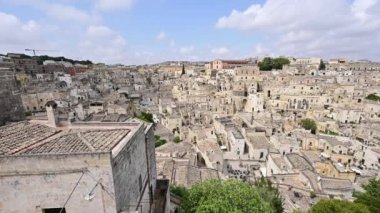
pixel 82 167
pixel 10 100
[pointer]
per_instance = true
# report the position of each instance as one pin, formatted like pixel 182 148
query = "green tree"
pixel 309 124
pixel 159 141
pixel 266 64
pixel 180 191
pixel 148 117
pixel 322 65
pixel 278 63
pixel 40 59
pixel 338 206
pixel 373 97
pixel 224 197
pixel 177 139
pixel 371 198
pixel 270 194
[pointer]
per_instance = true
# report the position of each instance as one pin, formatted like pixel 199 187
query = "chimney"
pixel 52 113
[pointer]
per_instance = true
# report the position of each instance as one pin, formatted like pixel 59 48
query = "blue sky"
pixel 149 31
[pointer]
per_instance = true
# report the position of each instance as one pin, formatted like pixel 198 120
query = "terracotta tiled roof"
pixel 27 138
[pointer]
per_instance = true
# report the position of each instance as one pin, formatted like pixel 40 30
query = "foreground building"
pixel 79 167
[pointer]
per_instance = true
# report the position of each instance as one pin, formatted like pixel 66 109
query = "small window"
pixel 261 154
pixel 140 182
pixel 54 210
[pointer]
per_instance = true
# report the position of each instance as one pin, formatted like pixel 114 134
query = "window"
pixel 54 210
pixel 261 154
pixel 140 183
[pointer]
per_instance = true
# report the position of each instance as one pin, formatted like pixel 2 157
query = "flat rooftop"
pixel 259 141
pixel 336 184
pixel 237 134
pixel 29 138
pixel 299 162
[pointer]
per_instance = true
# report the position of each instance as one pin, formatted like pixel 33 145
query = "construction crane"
pixel 34 51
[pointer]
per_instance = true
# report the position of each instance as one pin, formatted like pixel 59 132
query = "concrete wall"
pixel 31 183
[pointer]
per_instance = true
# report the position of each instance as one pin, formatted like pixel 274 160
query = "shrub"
pixel 309 124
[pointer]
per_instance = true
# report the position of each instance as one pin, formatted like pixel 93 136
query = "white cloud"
pixel 73 32
pixel 18 35
pixel 111 5
pixel 67 13
pixel 328 28
pixel 161 36
pixel 220 51
pixel 186 49
pixel 103 44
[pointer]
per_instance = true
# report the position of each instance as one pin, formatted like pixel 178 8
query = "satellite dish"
pixel 89 196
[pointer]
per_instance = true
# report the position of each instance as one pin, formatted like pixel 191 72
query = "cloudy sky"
pixel 150 31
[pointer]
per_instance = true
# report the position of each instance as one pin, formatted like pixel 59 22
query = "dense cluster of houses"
pixel 228 120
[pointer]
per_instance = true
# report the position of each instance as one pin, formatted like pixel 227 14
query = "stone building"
pixel 229 64
pixel 82 167
pixel 25 64
pixel 10 100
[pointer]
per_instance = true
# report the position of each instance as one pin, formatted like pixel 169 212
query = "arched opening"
pixel 200 161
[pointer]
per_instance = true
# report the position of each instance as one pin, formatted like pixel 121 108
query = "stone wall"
pixel 131 176
pixel 32 183
pixel 10 101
